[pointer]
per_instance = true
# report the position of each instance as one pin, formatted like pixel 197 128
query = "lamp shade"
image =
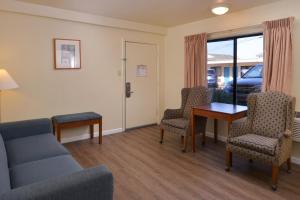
pixel 6 81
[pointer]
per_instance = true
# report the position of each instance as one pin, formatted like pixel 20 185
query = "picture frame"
pixel 67 54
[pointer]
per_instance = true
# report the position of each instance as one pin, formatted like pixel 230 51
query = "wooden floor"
pixel 145 169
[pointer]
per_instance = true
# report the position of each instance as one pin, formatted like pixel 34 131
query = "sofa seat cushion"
pixel 177 123
pixel 39 170
pixel 257 143
pixel 33 148
pixel 4 171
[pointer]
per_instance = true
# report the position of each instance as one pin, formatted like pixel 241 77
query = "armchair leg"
pixel 161 135
pixel 228 160
pixel 185 143
pixel 275 170
pixel 182 139
pixel 289 165
pixel 203 138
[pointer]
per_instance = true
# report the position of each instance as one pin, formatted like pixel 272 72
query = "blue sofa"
pixel 33 165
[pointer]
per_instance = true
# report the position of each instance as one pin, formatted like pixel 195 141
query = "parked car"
pixel 212 78
pixel 250 82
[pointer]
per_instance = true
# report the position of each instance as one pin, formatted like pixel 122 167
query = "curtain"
pixel 195 73
pixel 278 55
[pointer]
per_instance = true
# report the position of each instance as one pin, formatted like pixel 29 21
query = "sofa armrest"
pixel 13 130
pixel 172 113
pixel 93 184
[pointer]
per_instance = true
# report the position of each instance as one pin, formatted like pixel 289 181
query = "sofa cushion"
pixel 39 170
pixel 14 130
pixel 33 148
pixel 4 172
pixel 177 123
pixel 257 143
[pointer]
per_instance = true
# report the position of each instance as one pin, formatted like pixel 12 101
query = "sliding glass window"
pixel 235 68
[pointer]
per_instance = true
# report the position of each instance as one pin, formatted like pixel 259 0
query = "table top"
pixel 222 108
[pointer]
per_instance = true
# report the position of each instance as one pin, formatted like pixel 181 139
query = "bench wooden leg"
pixel 100 132
pixel 54 128
pixel 58 133
pixel 92 131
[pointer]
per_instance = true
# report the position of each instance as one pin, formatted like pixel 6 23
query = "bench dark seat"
pixel 76 120
pixel 76 117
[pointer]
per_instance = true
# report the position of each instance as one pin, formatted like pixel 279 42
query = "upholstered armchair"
pixel 178 120
pixel 266 134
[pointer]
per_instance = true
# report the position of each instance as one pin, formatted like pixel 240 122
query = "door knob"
pixel 128 89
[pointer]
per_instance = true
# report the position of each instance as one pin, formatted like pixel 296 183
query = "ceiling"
pixel 155 12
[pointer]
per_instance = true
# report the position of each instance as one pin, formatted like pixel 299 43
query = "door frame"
pixel 123 59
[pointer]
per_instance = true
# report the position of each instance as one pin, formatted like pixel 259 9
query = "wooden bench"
pixel 75 120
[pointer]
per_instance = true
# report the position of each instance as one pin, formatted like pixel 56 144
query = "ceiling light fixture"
pixel 220 9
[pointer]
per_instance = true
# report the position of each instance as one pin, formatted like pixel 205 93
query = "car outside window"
pixel 254 72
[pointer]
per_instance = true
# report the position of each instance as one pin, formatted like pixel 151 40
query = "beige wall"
pixel 174 47
pixel 26 51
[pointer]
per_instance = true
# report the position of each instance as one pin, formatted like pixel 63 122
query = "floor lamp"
pixel 6 83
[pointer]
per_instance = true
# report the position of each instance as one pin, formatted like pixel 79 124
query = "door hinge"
pixel 124 59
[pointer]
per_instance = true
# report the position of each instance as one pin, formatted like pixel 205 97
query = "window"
pixel 235 67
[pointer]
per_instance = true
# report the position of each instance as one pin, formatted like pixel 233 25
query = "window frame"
pixel 234 73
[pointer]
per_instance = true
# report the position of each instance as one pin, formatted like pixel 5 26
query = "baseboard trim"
pixel 295 160
pixel 212 135
pixel 87 135
pixel 144 126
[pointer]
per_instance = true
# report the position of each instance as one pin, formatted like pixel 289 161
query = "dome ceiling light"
pixel 220 9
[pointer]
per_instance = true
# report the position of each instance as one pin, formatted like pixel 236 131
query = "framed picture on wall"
pixel 67 54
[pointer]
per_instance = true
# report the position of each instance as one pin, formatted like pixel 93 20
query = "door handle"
pixel 128 89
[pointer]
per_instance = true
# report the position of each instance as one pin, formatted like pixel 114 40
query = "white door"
pixel 140 84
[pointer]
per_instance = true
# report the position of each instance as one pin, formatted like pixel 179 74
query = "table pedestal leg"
pixel 203 138
pixel 193 131
pixel 216 130
pixel 204 131
pixel 229 127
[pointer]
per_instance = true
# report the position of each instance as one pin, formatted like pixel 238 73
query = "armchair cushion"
pixel 270 114
pixel 257 143
pixel 239 128
pixel 172 113
pixel 177 123
pixel 198 96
